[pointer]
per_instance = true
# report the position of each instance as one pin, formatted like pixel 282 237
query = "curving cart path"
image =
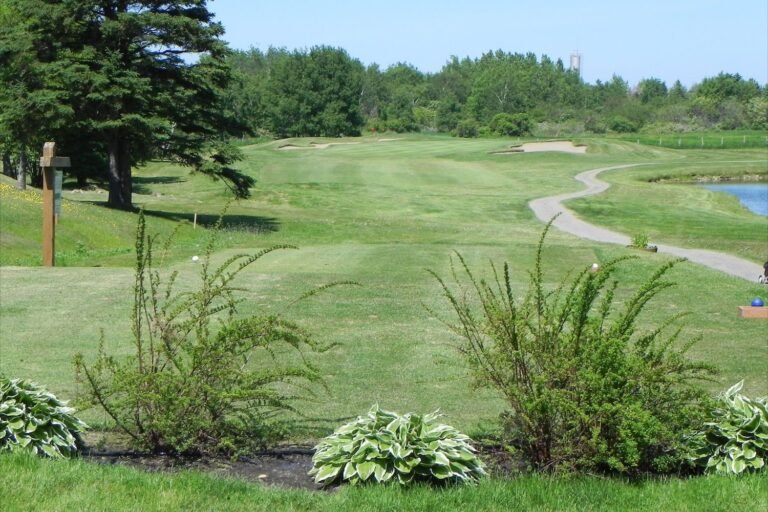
pixel 547 207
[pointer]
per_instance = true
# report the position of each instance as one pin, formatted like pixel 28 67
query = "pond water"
pixel 752 195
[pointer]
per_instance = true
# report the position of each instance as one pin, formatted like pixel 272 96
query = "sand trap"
pixel 314 145
pixel 560 146
pixel 325 145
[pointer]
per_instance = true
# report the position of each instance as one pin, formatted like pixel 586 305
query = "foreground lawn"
pixel 28 483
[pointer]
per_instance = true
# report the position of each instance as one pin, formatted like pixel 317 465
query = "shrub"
pixel 640 240
pixel 736 440
pixel 33 419
pixel 621 124
pixel 511 125
pixel 201 378
pixel 384 446
pixel 402 125
pixel 595 125
pixel 585 390
pixel 468 128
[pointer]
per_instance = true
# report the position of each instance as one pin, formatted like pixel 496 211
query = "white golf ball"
pixel 595 267
pixel 195 259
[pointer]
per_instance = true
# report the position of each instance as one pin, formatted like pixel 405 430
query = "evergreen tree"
pixel 27 112
pixel 136 79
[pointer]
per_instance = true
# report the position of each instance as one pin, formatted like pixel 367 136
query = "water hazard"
pixel 754 196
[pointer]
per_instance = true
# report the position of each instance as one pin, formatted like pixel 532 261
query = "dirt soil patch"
pixel 284 467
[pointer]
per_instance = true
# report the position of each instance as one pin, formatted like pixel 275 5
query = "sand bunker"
pixel 561 146
pixel 324 145
pixel 314 145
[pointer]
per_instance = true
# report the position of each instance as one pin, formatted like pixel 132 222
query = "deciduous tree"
pixel 314 93
pixel 651 90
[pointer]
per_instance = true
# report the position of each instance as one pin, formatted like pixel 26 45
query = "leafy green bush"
pixel 401 125
pixel 33 419
pixel 468 128
pixel 640 240
pixel 736 440
pixel 595 125
pixel 384 446
pixel 511 125
pixel 201 378
pixel 585 390
pixel 621 124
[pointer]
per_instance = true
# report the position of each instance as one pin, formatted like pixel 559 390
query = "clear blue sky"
pixel 667 39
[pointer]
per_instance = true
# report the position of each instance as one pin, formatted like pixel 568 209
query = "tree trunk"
pixel 21 175
pixel 36 177
pixel 120 186
pixel 7 164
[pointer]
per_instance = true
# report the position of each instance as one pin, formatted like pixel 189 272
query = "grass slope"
pixel 87 234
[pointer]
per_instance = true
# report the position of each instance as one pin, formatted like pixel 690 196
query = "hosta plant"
pixel 736 440
pixel 387 447
pixel 33 419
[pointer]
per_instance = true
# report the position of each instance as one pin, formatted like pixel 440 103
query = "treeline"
pixel 114 84
pixel 324 91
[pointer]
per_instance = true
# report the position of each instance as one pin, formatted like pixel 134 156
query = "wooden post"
pixel 48 162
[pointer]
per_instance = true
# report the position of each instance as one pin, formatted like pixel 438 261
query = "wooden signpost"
pixel 49 161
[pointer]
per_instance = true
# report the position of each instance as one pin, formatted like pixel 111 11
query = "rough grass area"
pixel 87 234
pixel 735 139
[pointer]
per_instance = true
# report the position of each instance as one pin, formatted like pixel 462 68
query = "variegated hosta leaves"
pixel 33 419
pixel 737 439
pixel 386 447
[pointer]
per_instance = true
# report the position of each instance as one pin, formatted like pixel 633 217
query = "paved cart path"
pixel 547 207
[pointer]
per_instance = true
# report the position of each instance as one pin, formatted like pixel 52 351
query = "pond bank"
pixel 545 208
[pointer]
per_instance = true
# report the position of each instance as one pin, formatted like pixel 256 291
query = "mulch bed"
pixel 284 467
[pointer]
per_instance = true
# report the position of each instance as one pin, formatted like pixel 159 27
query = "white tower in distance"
pixel 576 62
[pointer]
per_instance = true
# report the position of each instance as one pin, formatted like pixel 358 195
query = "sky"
pixel 667 39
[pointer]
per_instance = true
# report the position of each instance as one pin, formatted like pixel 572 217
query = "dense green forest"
pixel 325 91
pixel 118 83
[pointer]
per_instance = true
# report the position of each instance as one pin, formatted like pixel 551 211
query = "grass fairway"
pixel 380 213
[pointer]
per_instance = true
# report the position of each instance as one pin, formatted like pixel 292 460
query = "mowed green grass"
pixel 681 213
pixel 77 485
pixel 736 139
pixel 380 213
